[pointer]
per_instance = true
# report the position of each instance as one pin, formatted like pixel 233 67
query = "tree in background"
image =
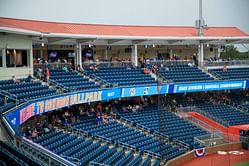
pixel 231 52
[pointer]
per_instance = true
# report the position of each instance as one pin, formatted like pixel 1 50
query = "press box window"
pixel 16 58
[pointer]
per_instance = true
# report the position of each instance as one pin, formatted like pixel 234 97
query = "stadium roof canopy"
pixel 98 34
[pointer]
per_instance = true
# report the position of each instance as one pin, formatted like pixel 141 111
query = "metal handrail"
pixel 9 95
pixel 93 163
pixel 153 154
pixel 75 160
pixel 228 63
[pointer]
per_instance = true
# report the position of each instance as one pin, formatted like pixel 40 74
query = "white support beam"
pixel 55 39
pixel 134 59
pixel 200 52
pixel 218 53
pixel 80 55
pixel 112 41
pixel 138 41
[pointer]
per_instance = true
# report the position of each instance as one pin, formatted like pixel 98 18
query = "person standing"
pixel 47 73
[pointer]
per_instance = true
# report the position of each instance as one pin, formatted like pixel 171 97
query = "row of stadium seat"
pixel 183 73
pixel 227 113
pixel 166 123
pixel 26 89
pixel 119 133
pixel 121 76
pixel 231 73
pixel 87 150
pixel 72 81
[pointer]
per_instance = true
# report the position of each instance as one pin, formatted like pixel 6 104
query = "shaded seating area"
pixel 122 76
pixel 72 81
pixel 87 150
pixel 183 73
pixel 230 73
pixel 167 123
pixel 230 115
pixel 11 155
pixel 26 89
pixel 123 135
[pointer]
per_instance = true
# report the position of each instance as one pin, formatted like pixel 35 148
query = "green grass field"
pixel 242 164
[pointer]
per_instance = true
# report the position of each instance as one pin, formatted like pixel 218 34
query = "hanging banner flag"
pixel 200 152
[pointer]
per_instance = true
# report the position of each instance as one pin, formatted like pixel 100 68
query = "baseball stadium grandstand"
pixel 74 94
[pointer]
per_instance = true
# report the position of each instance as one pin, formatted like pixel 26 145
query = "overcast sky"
pixel 131 12
pixel 136 12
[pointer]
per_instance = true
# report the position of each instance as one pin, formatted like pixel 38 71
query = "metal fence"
pixel 227 63
pixel 218 138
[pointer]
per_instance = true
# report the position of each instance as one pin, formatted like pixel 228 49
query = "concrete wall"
pixel 15 42
pixel 212 150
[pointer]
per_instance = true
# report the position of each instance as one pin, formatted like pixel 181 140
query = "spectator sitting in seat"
pixel 224 69
pixel 65 69
pixel 104 118
pixel 79 68
pixel 146 71
pixel 30 78
pixel 16 81
pixel 99 119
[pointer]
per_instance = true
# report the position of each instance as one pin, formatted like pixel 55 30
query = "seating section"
pixel 166 123
pixel 174 72
pixel 85 150
pixel 72 81
pixel 121 134
pixel 122 76
pixel 227 113
pixel 26 89
pixel 11 155
pixel 231 73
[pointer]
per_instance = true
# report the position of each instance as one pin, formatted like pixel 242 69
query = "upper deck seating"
pixel 72 81
pixel 183 73
pixel 26 89
pixel 122 76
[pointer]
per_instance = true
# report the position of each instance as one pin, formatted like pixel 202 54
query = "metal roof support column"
pixel 218 53
pixel 200 53
pixel 31 65
pixel 134 55
pixel 79 55
pixel 171 54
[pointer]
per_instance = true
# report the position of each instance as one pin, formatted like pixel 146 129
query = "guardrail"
pixel 170 62
pixel 9 95
pixel 93 163
pixel 227 63
pixel 106 64
pixel 53 66
pixel 218 138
